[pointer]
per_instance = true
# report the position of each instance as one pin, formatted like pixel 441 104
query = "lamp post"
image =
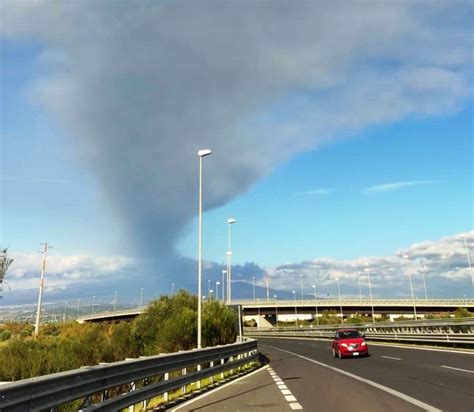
pixel 217 289
pixel 360 288
pixel 316 304
pixel 276 310
pixel 224 272
pixel 115 300
pixel 301 285
pixel 201 154
pixel 230 222
pixel 253 288
pixel 208 286
pixel 340 302
pixel 172 289
pixel 296 311
pixel 367 270
pixel 267 281
pixel 411 284
pixel 422 270
pixel 141 297
pixel 92 305
pixel 464 237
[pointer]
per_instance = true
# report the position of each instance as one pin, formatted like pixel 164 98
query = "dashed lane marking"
pixel 457 369
pixel 391 357
pixel 292 401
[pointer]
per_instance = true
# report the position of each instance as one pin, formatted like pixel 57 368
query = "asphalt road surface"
pixel 303 375
pixel 443 380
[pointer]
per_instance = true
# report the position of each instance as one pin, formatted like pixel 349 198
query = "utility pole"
pixel 41 285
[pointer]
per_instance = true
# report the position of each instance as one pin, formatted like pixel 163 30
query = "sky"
pixel 341 136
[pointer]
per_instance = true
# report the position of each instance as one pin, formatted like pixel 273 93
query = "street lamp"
pixel 224 272
pixel 315 304
pixel 340 302
pixel 367 270
pixel 276 310
pixel 92 305
pixel 423 270
pixel 296 311
pixel 253 287
pixel 301 285
pixel 217 289
pixel 464 237
pixel 141 297
pixel 208 286
pixel 411 284
pixel 230 221
pixel 115 300
pixel 201 153
pixel 172 289
pixel 360 288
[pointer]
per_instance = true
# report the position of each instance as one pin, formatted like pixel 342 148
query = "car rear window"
pixel 349 334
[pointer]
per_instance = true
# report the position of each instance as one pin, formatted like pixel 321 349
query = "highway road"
pixel 303 375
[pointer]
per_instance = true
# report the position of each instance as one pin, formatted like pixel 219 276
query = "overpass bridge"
pixel 272 309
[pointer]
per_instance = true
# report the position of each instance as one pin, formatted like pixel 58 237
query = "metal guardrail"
pixel 139 379
pixel 440 332
pixel 355 302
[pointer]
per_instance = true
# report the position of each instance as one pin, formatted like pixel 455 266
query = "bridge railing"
pixel 461 332
pixel 355 302
pixel 131 381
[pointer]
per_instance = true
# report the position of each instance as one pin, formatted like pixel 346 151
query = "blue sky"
pixel 326 144
pixel 317 204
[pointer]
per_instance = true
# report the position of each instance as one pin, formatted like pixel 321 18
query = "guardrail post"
pixel 166 394
pixel 198 383
pixel 131 408
pixel 211 379
pixel 183 388
pixel 222 373
pixel 231 360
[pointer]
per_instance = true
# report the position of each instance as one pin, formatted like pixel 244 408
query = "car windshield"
pixel 349 334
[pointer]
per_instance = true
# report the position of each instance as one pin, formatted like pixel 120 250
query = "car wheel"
pixel 334 353
pixel 339 354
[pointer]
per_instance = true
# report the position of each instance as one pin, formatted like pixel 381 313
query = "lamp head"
pixel 231 220
pixel 204 152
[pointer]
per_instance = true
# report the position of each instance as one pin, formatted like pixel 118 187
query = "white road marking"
pixel 393 392
pixel 286 392
pixel 390 357
pixel 457 369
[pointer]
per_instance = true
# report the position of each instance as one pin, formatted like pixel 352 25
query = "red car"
pixel 349 343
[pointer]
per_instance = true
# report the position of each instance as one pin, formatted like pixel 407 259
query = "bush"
pixel 462 313
pixel 5 335
pixel 168 325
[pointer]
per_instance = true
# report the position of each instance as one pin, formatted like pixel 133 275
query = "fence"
pixel 131 381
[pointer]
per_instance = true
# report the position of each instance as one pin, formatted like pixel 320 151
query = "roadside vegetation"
pixel 168 325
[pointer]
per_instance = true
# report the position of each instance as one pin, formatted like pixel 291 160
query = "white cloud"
pixel 390 187
pixel 63 270
pixel 444 263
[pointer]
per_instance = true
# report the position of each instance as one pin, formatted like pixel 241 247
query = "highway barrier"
pixel 118 385
pixel 438 332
